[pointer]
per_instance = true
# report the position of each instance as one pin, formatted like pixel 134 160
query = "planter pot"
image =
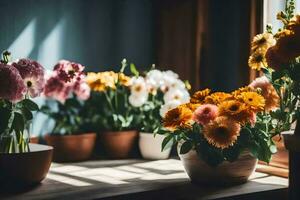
pixel 226 173
pixel 119 144
pixel 150 146
pixel 25 169
pixel 72 148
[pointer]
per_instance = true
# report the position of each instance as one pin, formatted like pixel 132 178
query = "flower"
pixel 217 98
pixel 168 106
pixel 138 86
pixel 252 119
pixel 253 100
pixel 221 132
pixel 205 113
pixel 267 91
pixel 82 90
pixel 191 106
pixel 234 110
pixel 33 75
pixel 11 82
pixel 155 78
pixel 137 100
pixel 263 41
pixel 257 60
pixel 56 89
pixel 67 79
pixel 199 96
pixel 237 92
pixel 179 117
pixel 67 70
pixel 177 94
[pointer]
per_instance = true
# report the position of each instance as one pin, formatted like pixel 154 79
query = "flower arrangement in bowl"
pixel 221 135
pixel 114 118
pixel 20 162
pixel 67 91
pixel 153 95
pixel 277 55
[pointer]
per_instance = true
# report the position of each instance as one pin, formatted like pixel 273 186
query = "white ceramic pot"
pixel 150 146
pixel 226 173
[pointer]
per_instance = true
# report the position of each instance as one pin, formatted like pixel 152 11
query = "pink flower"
pixel 267 91
pixel 205 113
pixel 67 79
pixel 33 75
pixel 68 71
pixel 12 85
pixel 82 91
pixel 55 88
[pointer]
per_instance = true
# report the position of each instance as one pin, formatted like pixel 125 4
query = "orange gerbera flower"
pixel 217 98
pixel 254 101
pixel 180 117
pixel 222 132
pixel 199 96
pixel 235 110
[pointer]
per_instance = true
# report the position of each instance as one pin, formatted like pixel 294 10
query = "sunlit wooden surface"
pixel 139 179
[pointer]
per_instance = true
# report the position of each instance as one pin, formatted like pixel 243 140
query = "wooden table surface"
pixel 140 179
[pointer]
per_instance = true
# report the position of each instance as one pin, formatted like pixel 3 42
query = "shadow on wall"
pixel 96 33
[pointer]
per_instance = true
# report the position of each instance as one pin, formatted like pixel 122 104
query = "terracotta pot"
pixel 25 169
pixel 34 139
pixel 71 148
pixel 119 144
pixel 150 146
pixel 226 173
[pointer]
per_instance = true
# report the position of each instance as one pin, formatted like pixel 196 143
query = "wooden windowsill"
pixel 140 179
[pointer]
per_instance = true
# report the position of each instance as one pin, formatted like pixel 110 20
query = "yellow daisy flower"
pixel 263 41
pixel 235 110
pixel 217 98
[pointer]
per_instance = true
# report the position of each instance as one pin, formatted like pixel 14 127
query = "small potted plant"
pixel 220 135
pixel 154 94
pixel 277 56
pixel 111 113
pixel 67 91
pixel 20 162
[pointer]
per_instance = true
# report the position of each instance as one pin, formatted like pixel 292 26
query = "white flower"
pixel 170 73
pixel 177 94
pixel 168 106
pixel 154 78
pixel 138 86
pixel 138 101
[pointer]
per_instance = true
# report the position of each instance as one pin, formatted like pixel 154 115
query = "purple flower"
pixel 12 86
pixel 33 75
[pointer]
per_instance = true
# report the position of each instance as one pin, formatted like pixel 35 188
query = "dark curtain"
pixel 207 41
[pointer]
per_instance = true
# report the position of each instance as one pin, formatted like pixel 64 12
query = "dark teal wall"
pixel 93 32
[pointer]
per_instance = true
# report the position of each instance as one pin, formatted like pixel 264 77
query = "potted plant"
pixel 154 94
pixel 69 136
pixel 276 55
pixel 20 162
pixel 221 135
pixel 111 113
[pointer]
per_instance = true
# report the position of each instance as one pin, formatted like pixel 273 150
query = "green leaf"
pixel 186 147
pixel 134 70
pixel 167 142
pixel 30 105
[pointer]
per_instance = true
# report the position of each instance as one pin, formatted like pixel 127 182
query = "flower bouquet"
pixel 277 55
pixel 153 94
pixel 67 91
pixel 20 162
pixel 221 135
pixel 111 113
